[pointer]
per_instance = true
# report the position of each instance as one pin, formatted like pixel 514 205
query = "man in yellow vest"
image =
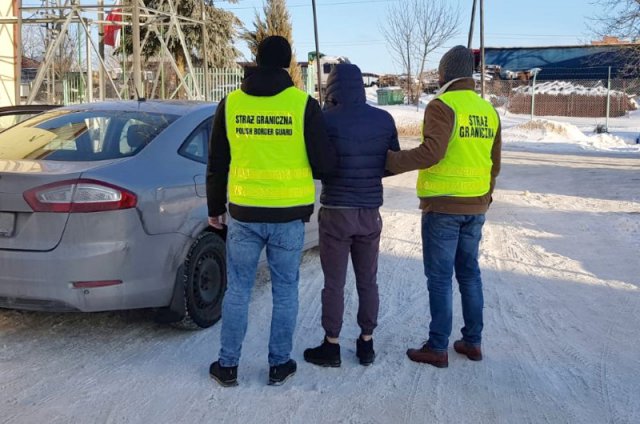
pixel 459 160
pixel 268 143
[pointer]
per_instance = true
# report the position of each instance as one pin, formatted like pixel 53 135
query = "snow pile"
pixel 408 118
pixel 544 130
pixel 555 135
pixel 405 115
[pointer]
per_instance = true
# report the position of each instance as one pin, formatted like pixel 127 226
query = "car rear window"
pixel 9 120
pixel 70 135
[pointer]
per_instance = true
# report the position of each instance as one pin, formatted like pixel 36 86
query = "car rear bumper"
pixel 144 264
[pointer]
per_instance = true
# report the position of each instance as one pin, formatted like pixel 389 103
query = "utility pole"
pixel 315 28
pixel 89 63
pixel 57 31
pixel 17 38
pixel 473 19
pixel 135 34
pixel 101 49
pixel 482 64
pixel 207 89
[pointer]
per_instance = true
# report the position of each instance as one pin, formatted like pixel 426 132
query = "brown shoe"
pixel 428 356
pixel 473 352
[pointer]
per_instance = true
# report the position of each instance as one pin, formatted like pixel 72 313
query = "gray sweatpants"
pixel 344 231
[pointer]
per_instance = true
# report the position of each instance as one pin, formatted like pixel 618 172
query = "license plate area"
pixel 7 224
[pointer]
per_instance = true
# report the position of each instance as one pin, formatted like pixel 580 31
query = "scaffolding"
pixel 57 17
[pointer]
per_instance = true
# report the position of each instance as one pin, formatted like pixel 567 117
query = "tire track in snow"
pixel 311 283
pixel 413 391
pixel 505 312
pixel 538 256
pixel 612 413
pixel 515 251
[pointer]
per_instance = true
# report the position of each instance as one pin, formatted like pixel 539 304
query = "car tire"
pixel 205 281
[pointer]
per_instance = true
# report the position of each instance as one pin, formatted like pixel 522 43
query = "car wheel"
pixel 205 281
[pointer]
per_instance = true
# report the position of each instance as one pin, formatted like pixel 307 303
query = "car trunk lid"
pixel 20 227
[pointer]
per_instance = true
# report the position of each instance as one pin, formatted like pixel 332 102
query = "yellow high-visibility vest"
pixel 465 170
pixel 269 165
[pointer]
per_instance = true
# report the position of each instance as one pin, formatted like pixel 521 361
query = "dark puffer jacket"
pixel 362 135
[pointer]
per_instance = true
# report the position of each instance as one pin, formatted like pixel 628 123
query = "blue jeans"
pixel 448 242
pixel 245 242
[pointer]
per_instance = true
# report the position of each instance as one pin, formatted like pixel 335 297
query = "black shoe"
pixel 225 376
pixel 325 355
pixel 365 352
pixel 278 374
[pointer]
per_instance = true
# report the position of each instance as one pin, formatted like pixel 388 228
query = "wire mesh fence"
pixel 597 98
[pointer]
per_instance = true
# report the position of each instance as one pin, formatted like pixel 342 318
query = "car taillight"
pixel 79 196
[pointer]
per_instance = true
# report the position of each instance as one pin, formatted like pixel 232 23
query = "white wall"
pixel 7 56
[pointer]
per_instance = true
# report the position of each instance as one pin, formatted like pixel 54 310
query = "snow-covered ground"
pixel 562 289
pixel 553 133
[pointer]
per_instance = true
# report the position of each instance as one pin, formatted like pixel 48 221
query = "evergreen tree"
pixel 276 22
pixel 221 28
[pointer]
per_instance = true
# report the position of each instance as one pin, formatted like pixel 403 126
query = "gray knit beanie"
pixel 456 63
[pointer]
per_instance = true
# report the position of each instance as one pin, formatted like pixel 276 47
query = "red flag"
pixel 110 31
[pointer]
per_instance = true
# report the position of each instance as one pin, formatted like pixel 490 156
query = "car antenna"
pixel 138 98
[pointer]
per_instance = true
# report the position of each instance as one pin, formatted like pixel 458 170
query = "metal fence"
pixel 599 99
pixel 220 82
pixel 310 79
pixel 73 87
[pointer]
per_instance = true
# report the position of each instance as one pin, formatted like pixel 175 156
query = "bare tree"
pixel 437 23
pixel 413 30
pixel 399 31
pixel 621 18
pixel 35 40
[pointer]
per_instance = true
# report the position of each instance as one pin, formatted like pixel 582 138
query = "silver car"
pixel 103 207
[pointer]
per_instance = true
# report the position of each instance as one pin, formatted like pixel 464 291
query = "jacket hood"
pixel 265 81
pixel 457 84
pixel 345 85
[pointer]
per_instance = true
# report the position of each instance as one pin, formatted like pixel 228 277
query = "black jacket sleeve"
pixel 321 151
pixel 218 164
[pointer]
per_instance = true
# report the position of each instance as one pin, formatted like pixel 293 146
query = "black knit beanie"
pixel 274 51
pixel 456 63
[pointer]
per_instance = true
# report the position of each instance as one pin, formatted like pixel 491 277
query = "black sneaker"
pixel 278 374
pixel 365 352
pixel 225 376
pixel 325 355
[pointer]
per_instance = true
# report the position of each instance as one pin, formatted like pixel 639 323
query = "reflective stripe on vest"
pixel 269 165
pixel 465 170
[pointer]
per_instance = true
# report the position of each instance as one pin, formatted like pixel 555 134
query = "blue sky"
pixel 352 27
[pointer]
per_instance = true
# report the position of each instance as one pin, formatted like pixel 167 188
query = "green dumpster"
pixel 390 96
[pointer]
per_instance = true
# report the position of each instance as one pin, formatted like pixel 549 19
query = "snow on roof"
pixel 335 59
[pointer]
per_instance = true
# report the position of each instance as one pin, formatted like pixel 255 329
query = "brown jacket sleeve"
pixel 439 121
